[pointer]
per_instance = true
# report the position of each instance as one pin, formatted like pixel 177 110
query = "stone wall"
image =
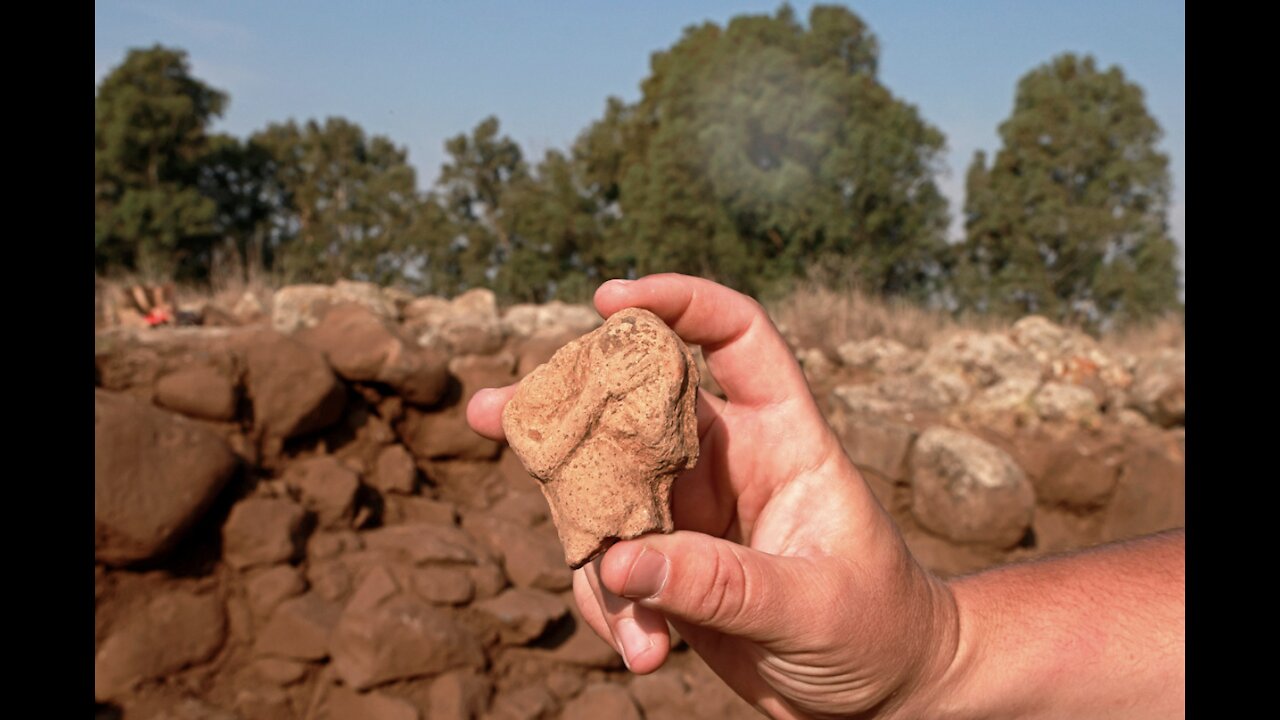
pixel 294 520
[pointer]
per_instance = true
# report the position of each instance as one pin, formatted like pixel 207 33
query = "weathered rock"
pixel 377 584
pixel 443 585
pixel 1159 388
pixel 154 475
pixel 602 700
pixel 402 509
pixel 607 425
pixel 1061 402
pixel 268 588
pixel 325 544
pixel 982 359
pixel 459 695
pixel 468 324
pixel 816 365
pixel 580 645
pixel 363 347
pixel 444 435
pixel 327 488
pixel 402 637
pixel 865 401
pixel 531 556
pixel 199 391
pixel 1070 355
pixel 331 579
pixel 280 671
pixel 523 614
pixel 549 318
pixel 531 702
pixel 194 709
pixel 343 703
pixel 176 629
pixel 395 471
pixel 879 446
pixel 299 628
pixel 1011 396
pixel 879 354
pixel 661 691
pixel 928 388
pixel 1076 479
pixel 293 390
pixel 564 683
pixel 425 542
pixel 1150 494
pixel 527 507
pixel 968 490
pixel 539 349
pixel 302 306
pixel 262 531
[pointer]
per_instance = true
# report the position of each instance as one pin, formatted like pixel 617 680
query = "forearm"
pixel 1096 634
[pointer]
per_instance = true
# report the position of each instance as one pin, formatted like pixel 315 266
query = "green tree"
pixel 763 147
pixel 240 178
pixel 472 243
pixel 1069 219
pixel 349 202
pixel 150 122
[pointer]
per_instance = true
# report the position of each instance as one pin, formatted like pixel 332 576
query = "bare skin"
pixel 794 585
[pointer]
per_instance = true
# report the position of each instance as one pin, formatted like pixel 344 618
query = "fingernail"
pixel 620 282
pixel 648 575
pixel 633 640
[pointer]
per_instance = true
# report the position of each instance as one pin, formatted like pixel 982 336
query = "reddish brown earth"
pixel 294 521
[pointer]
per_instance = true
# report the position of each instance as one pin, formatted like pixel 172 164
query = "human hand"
pixel 784 573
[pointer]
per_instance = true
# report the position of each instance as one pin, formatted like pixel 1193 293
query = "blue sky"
pixel 420 72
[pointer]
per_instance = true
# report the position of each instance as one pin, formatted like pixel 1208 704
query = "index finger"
pixel 743 349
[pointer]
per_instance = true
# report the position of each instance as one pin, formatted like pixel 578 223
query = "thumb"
pixel 708 582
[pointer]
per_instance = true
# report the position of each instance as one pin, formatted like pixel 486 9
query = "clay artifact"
pixel 606 425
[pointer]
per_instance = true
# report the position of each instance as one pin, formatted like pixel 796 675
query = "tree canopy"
pixel 150 122
pixel 764 146
pixel 757 151
pixel 1069 219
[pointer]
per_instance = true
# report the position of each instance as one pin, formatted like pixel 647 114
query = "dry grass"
pixel 1169 331
pixel 814 316
pixel 818 316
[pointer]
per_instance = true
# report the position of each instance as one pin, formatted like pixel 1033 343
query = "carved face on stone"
pixel 606 425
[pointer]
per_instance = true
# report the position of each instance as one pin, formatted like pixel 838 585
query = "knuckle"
pixel 725 599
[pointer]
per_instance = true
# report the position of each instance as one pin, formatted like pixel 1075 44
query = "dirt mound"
pixel 301 524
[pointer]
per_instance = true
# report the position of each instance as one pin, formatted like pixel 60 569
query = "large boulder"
pixel 1159 390
pixel 968 490
pixel 401 637
pixel 298 307
pixel 553 318
pixel 467 325
pixel 522 614
pixel 263 531
pixel 1072 404
pixel 363 347
pixel 199 391
pixel 155 473
pixel 600 701
pixel 294 391
pixel 299 628
pixel 881 447
pixel 1069 355
pixel 983 359
pixel 445 433
pixel 176 629
pixel 878 354
pixel 326 487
